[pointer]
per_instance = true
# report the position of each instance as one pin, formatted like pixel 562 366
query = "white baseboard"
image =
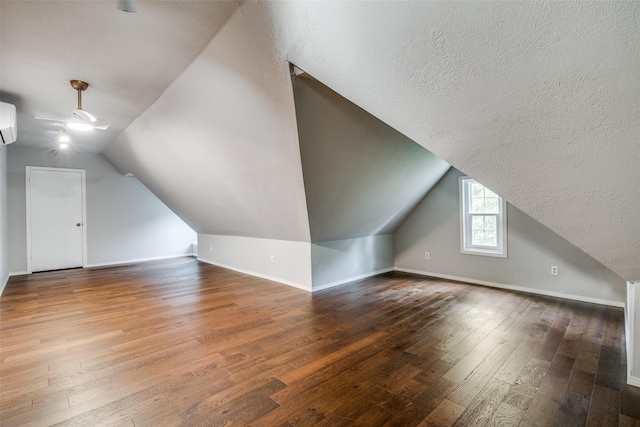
pixel 352 279
pixel 135 261
pixel 294 284
pixel 256 274
pixel 6 279
pixel 4 284
pixel 514 288
pixel 18 273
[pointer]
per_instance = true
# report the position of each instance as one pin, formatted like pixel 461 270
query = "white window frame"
pixel 466 247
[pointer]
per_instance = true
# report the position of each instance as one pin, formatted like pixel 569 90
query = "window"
pixel 483 219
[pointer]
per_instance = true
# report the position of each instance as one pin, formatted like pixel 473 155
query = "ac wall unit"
pixel 8 129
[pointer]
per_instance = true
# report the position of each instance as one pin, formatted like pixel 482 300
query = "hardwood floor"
pixel 184 343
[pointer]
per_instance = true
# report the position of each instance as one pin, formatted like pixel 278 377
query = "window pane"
pixel 477 190
pixel 478 238
pixel 490 238
pixel 489 193
pixel 477 205
pixel 478 223
pixel 484 230
pixel 490 223
pixel 491 205
pixel 483 200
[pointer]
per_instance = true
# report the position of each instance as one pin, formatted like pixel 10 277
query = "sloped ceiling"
pixel 128 59
pixel 538 100
pixel 220 145
pixel 361 177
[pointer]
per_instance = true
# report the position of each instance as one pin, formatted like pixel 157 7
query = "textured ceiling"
pixel 220 146
pixel 128 59
pixel 538 100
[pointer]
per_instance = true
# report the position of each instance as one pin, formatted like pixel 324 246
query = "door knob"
pixel 78 224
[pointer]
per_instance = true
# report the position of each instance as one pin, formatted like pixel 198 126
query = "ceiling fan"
pixel 81 119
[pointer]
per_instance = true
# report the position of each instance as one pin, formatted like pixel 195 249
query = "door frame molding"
pixel 82 172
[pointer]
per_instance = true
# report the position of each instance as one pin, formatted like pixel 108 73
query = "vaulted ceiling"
pixel 128 59
pixel 537 100
pixel 361 177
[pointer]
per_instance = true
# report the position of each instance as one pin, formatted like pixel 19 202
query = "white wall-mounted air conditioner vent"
pixel 8 129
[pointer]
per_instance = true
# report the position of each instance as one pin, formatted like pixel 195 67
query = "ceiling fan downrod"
pixel 80 86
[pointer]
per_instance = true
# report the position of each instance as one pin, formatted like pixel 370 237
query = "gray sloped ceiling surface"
pixel 220 146
pixel 361 177
pixel 537 100
pixel 128 59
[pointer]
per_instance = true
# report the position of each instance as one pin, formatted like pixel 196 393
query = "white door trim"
pixel 28 170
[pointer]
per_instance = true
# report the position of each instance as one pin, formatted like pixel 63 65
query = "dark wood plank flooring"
pixel 184 343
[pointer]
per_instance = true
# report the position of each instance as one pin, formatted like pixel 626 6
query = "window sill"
pixel 483 252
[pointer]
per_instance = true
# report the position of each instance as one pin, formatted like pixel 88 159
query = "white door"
pixel 55 218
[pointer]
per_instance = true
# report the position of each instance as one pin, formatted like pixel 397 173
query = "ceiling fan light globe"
pixel 79 126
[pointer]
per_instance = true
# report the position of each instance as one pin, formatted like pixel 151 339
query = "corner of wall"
pixel 4 233
pixel 338 262
pixel 632 330
pixel 308 266
pixel 3 284
pixel 287 262
pixel 126 222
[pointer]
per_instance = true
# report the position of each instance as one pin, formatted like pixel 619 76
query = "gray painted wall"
pixel 125 221
pixel 361 177
pixel 434 227
pixel 342 261
pixel 308 266
pixel 4 237
pixel 279 260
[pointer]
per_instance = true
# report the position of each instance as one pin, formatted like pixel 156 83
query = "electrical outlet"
pixel 273 259
pixel 426 255
pixel 210 248
pixel 554 270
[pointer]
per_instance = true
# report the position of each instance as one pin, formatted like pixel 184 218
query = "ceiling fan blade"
pixel 76 123
pixel 101 124
pixel 80 120
pixel 84 115
pixel 51 117
pixel 89 118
